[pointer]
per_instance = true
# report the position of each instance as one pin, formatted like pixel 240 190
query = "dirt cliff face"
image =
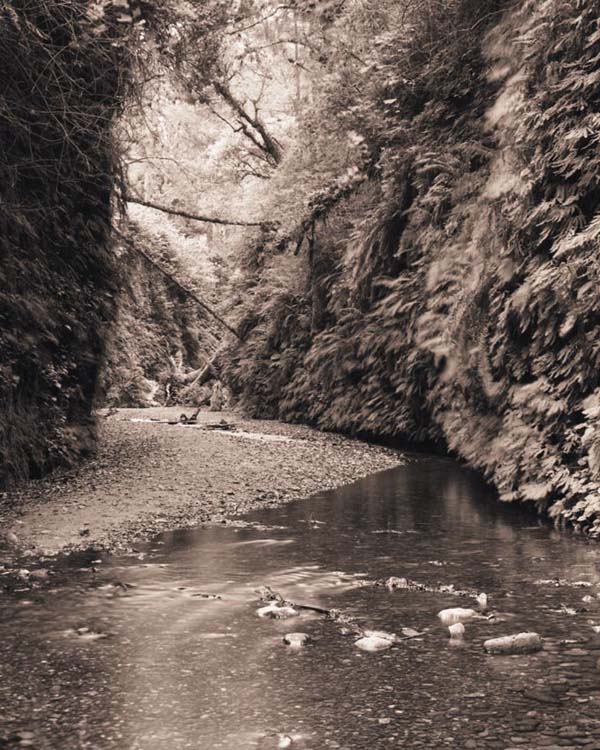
pixel 63 81
pixel 460 304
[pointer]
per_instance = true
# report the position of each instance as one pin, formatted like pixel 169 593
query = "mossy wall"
pixel 455 296
pixel 159 333
pixel 64 70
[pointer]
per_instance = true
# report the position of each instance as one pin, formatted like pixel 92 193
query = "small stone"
pixel 24 735
pixel 41 574
pixel 296 640
pixel 456 615
pixel 410 633
pixel 541 696
pixel 275 612
pixel 373 643
pixel 569 732
pixel 521 643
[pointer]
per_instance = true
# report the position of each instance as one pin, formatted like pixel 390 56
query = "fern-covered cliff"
pixel 64 69
pixel 160 332
pixel 450 291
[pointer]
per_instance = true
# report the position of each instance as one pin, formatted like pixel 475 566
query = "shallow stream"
pixel 140 656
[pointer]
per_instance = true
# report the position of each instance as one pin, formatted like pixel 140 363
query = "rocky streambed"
pixel 149 475
pixel 169 643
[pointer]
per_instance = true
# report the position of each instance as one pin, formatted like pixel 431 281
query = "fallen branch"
pixel 222 425
pixel 268 595
pixel 195 217
pixel 393 582
pixel 199 377
pixel 347 623
pixel 178 284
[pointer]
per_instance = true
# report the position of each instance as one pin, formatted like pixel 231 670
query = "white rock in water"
pixel 482 600
pixel 265 611
pixel 456 614
pixel 41 574
pixel 380 634
pixel 277 612
pixel 373 643
pixel 283 613
pixel 85 634
pixel 393 582
pixel 456 631
pixel 521 643
pixel 411 633
pixel 296 640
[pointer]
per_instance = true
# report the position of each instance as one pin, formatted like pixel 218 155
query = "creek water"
pixel 179 669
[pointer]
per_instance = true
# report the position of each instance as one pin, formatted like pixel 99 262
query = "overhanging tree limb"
pixel 178 284
pixel 194 217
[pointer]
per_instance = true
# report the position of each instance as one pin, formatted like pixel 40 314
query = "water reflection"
pixel 182 669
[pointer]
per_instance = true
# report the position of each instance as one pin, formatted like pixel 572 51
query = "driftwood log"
pixel 347 623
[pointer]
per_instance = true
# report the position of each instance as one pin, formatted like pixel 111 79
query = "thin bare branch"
pixel 274 12
pixel 178 284
pixel 188 215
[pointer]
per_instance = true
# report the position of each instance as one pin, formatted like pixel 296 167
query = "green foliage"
pixel 462 299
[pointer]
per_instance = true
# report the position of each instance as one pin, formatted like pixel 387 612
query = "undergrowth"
pixel 453 295
pixel 159 332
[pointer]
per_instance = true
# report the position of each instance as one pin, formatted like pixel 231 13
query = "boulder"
pixel 520 643
pixel 216 398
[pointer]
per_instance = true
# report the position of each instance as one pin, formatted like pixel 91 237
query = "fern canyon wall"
pixel 450 291
pixel 161 337
pixel 64 74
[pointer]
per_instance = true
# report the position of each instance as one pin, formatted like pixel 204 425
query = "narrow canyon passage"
pixel 299 374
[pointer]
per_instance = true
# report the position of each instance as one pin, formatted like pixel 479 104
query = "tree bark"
pixel 194 217
pixel 266 143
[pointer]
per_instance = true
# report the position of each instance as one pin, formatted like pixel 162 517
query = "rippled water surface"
pixel 177 669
